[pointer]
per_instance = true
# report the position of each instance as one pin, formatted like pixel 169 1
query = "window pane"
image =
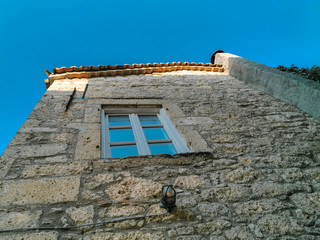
pixel 149 120
pixel 121 135
pixel 124 151
pixel 155 133
pixel 119 121
pixel 162 148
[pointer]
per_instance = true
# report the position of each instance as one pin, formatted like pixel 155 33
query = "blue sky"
pixel 35 35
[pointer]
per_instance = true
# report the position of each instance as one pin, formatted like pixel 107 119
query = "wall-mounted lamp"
pixel 168 198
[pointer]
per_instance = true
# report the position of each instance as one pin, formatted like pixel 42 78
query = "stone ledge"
pixel 292 89
pixel 164 159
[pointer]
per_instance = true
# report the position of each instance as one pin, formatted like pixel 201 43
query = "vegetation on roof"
pixel 308 73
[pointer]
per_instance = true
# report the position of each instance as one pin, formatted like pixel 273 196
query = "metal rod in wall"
pixel 85 90
pixel 70 100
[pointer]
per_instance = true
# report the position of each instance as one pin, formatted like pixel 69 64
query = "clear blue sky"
pixel 35 35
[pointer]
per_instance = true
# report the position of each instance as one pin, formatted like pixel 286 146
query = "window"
pixel 138 131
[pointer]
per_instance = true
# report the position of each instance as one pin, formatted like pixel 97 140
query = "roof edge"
pixel 126 69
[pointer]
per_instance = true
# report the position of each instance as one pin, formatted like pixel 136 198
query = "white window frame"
pixel 140 140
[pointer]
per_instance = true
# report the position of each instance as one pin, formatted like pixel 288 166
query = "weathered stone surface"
pixel 104 178
pixel 172 233
pixel 238 233
pixel 156 209
pixel 186 201
pixel 92 195
pixel 88 146
pixel 233 148
pixel 189 182
pixel 53 159
pixel 308 202
pixel 42 150
pixel 264 206
pixel 134 188
pixel 256 230
pixel 31 236
pixel 194 121
pixel 242 175
pixel 177 215
pixel 6 160
pixel 223 138
pixel 70 236
pixel 127 224
pixel 124 211
pixel 212 227
pixel 192 237
pixel 81 215
pixel 213 209
pixel 194 139
pixel 276 224
pixel 92 113
pixel 276 189
pixel 137 235
pixel 230 193
pixel 62 137
pixel 217 238
pixel 289 88
pixel 55 170
pixel 290 174
pixel 50 190
pixel 19 219
pixel 34 136
pixel 314 174
pixel 185 230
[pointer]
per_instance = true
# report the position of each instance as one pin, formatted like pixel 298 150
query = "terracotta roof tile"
pixel 126 69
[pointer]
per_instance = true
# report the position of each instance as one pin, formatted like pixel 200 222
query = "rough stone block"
pixel 213 209
pixel 88 146
pixel 239 233
pixel 191 237
pixel 103 178
pixel 314 174
pixel 242 175
pixel 6 160
pixel 92 113
pixel 50 190
pixel 290 175
pixel 55 170
pixel 13 220
pixel 223 138
pixel 189 182
pixel 124 211
pixel 230 193
pixel 212 227
pixel 185 230
pixel 137 235
pixel 276 189
pixel 308 202
pixel 134 188
pixel 263 206
pixel 42 150
pixel 276 224
pixel 81 215
pixel 193 121
pixel 31 236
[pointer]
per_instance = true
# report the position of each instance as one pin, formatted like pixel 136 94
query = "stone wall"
pixel 254 172
pixel 288 87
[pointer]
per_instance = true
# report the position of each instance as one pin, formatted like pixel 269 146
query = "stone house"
pixel 239 142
